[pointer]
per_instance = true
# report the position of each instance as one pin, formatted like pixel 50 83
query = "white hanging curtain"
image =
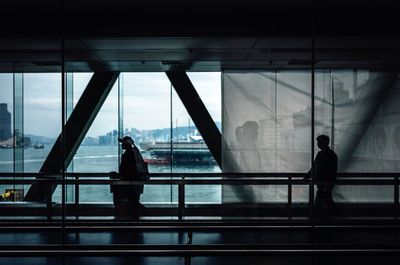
pixel 267 128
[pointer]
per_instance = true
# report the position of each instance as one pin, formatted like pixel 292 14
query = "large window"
pixel 269 132
pixel 6 127
pixel 200 159
pixel 6 123
pixel 169 140
pixel 357 109
pixel 190 152
pixel 266 128
pixel 42 117
pixel 146 117
pixel 41 120
pixel 98 152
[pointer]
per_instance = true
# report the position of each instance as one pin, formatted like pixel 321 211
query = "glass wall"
pixel 146 112
pixel 75 85
pixel 147 118
pixel 6 123
pixel 30 122
pixel 190 152
pixel 356 109
pixel 98 152
pixel 146 107
pixel 208 86
pixel 42 117
pixel 269 132
pixel 6 127
pixel 42 113
pixel 152 113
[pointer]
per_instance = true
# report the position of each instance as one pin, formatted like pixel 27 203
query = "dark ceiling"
pixel 150 35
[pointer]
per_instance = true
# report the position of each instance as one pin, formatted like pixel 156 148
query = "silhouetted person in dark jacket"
pixel 325 168
pixel 126 198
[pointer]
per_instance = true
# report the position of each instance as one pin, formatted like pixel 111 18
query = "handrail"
pixel 183 179
pixel 202 175
pixel 192 250
pixel 181 225
pixel 239 181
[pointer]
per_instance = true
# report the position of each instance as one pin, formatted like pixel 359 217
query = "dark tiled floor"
pixel 224 260
pixel 339 237
pixel 274 236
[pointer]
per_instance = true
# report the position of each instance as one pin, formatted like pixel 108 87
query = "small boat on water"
pixel 38 146
pixel 157 161
pixel 189 153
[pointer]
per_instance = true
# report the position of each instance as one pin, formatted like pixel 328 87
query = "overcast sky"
pixel 146 101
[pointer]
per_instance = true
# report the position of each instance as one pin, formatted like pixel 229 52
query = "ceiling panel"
pixel 168 43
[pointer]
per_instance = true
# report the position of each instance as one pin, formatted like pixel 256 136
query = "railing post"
pixel 76 190
pixel 76 195
pixel 396 196
pixel 49 205
pixel 188 259
pixel 181 199
pixel 290 196
pixel 290 192
pixel 311 200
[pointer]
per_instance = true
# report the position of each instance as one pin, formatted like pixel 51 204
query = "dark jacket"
pixel 131 168
pixel 128 168
pixel 325 166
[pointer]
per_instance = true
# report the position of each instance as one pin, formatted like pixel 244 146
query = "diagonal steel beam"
pixel 366 108
pixel 75 130
pixel 197 111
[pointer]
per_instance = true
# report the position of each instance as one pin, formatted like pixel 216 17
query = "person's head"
pixel 323 141
pixel 126 142
pixel 248 132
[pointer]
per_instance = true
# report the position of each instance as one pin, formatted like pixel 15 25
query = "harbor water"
pixel 103 159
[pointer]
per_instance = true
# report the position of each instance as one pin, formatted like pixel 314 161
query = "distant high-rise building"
pixel 5 122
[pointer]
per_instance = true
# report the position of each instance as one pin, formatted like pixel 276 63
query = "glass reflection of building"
pixel 5 122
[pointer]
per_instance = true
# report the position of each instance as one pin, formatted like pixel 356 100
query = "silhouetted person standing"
pixel 126 198
pixel 325 169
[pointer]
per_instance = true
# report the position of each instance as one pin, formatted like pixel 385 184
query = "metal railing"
pixel 182 180
pixel 191 226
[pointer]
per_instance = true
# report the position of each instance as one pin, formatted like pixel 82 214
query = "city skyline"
pixel 156 134
pixel 145 95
